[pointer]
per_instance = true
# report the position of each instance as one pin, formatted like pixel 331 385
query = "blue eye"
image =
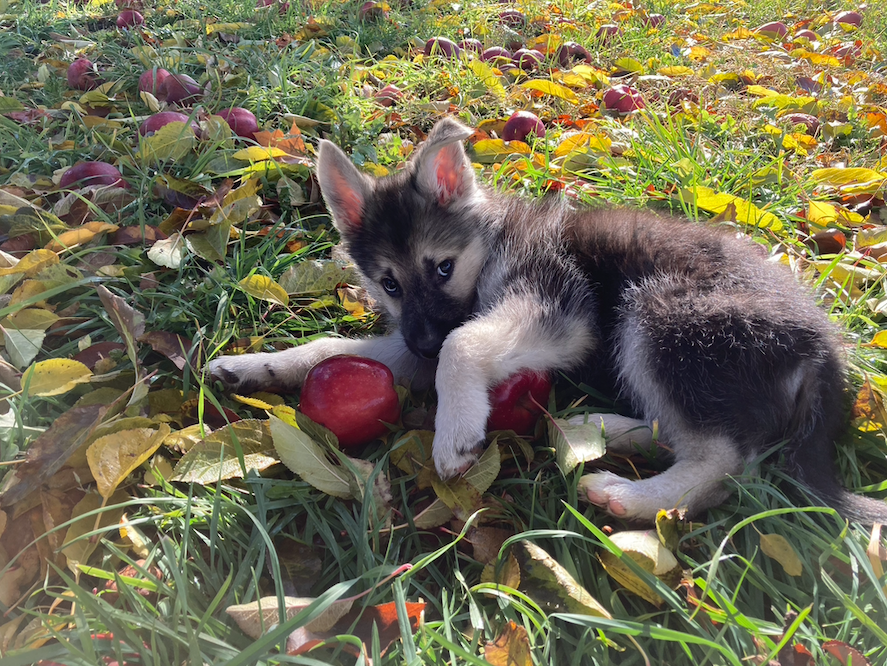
pixel 444 268
pixel 390 286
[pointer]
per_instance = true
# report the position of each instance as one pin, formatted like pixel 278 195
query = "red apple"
pixel 513 18
pixel 153 123
pixel 520 125
pixel 371 11
pixel 569 52
pixel 607 31
pixel 388 96
pixel 83 174
pixel 352 396
pixel 511 40
pixel 179 89
pixel 511 402
pixel 241 121
pixel 773 30
pixel 441 46
pixel 811 123
pixel 654 20
pixel 151 79
pixel 471 44
pixel 528 59
pixel 129 18
pixel 496 53
pixel 80 75
pixel 849 18
pixel 623 98
pixel 809 34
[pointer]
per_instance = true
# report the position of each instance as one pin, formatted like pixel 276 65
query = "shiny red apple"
pixel 179 89
pixel 521 124
pixel 352 396
pixel 512 402
pixel 153 123
pixel 441 46
pixel 129 18
pixel 623 98
pixel 83 174
pixel 241 121
pixel 80 75
pixel 151 79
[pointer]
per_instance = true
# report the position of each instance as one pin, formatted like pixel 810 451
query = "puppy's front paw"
pixel 247 373
pixel 617 496
pixel 451 461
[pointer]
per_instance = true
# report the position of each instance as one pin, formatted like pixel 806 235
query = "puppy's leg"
pixel 286 370
pixel 696 482
pixel 621 433
pixel 514 336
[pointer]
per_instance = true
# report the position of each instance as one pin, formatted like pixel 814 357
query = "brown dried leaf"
pixel 511 647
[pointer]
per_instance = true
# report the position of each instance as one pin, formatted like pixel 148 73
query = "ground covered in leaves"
pixel 138 527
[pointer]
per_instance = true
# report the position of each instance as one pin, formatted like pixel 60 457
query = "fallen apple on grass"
pixel 241 121
pixel 153 123
pixel 623 98
pixel 441 46
pixel 179 89
pixel 129 18
pixel 80 75
pixel 520 125
pixel 515 402
pixel 84 174
pixel 151 79
pixel 354 397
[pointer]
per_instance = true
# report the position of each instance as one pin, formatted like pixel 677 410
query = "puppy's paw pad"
pixel 607 491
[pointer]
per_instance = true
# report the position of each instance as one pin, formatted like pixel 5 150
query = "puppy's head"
pixel 419 237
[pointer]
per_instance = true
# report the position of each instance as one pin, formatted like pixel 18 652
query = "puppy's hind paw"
pixel 617 496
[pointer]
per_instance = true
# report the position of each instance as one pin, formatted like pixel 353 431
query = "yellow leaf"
pixel 880 340
pixel 697 53
pixel 80 235
pixel 487 76
pixel 31 318
pixel 114 457
pixel 259 153
pixel 858 177
pixel 252 402
pixel 816 58
pixel 591 74
pixel 777 547
pixel 511 647
pixel 55 376
pixel 585 141
pixel 226 27
pixel 488 151
pixel 286 414
pixel 265 289
pixel 718 202
pixel 677 70
pixel 550 88
pixel 32 263
pixel 77 546
pixel 645 548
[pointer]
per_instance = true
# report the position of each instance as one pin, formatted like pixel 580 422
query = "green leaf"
pixel 575 444
pixel 306 458
pixel 321 276
pixel 172 143
pixel 217 457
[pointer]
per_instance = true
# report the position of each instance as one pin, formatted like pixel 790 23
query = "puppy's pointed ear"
pixel 442 167
pixel 344 188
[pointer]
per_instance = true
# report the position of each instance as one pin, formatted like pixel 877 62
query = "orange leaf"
pixel 844 653
pixel 291 143
pixel 511 647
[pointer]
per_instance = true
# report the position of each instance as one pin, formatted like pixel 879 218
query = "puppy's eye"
pixel 444 268
pixel 390 286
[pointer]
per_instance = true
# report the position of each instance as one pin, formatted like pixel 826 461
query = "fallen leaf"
pixel 265 289
pixel 114 457
pixel 575 444
pixel 644 548
pixel 511 647
pixel 55 376
pixel 217 457
pixel 778 547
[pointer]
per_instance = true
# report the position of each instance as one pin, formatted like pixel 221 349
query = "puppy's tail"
pixel 819 477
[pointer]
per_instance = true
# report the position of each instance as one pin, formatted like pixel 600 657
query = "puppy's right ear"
pixel 344 188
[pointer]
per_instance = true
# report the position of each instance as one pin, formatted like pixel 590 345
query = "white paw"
pixel 450 459
pixel 249 372
pixel 619 497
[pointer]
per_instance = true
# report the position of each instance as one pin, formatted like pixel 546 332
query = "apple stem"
pixel 403 568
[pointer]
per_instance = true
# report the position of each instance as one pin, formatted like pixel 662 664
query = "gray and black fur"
pixel 722 348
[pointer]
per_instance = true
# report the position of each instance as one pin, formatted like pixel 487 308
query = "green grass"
pixel 272 534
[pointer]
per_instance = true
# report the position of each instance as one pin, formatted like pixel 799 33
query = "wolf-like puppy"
pixel 703 335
